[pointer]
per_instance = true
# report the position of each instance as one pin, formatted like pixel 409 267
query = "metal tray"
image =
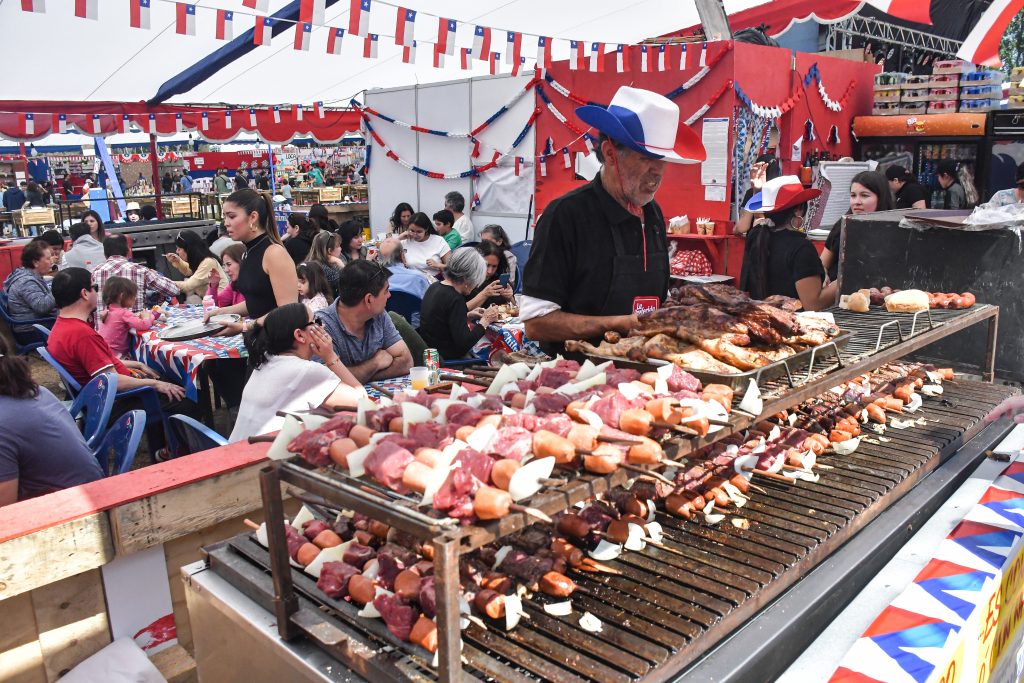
pixel 799 367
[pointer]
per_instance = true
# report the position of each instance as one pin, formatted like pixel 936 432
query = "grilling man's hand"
pixel 1011 407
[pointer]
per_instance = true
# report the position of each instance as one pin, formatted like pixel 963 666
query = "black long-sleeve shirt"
pixel 444 324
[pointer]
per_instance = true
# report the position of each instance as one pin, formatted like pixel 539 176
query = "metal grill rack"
pixel 668 606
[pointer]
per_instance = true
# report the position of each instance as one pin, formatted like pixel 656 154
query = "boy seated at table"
pixel 84 353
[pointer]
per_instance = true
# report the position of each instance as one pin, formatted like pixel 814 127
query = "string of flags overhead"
pixel 493 46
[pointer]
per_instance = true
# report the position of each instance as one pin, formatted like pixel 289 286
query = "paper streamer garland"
pixel 814 74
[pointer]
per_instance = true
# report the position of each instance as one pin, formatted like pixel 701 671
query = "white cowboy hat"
pixel 780 193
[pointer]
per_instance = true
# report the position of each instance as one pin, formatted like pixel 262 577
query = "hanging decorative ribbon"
pixel 814 74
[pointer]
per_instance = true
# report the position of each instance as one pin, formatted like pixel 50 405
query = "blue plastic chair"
pixel 43 330
pixel 26 340
pixel 150 399
pixel 121 443
pixel 404 304
pixel 96 401
pixel 198 437
pixel 521 250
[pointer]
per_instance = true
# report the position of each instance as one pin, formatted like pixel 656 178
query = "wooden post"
pixel 154 165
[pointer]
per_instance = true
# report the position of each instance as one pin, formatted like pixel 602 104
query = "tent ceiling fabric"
pixel 108 60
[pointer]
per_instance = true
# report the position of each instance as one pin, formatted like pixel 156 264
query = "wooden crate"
pixel 34 216
pixel 330 194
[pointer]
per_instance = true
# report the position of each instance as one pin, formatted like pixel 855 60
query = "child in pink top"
pixel 231 261
pixel 119 297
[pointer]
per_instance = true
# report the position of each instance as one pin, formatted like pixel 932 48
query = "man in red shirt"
pixel 76 345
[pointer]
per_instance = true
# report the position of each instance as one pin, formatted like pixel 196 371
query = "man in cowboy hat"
pixel 601 253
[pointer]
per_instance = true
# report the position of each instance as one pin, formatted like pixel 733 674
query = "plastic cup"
pixel 419 377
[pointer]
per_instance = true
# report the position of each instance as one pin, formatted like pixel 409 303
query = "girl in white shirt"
pixel 425 250
pixel 284 377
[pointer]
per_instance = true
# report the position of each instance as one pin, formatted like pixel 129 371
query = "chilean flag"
pixel 359 18
pixel 87 9
pixel 225 24
pixel 446 35
pixel 982 44
pixel 298 112
pixel 303 31
pixel 466 54
pixel 252 117
pixel 334 38
pixel 227 119
pixel 28 124
pixel 312 11
pixel 405 25
pixel 513 47
pixel 97 126
pixel 911 10
pixel 60 123
pixel 576 57
pixel 261 6
pixel 261 33
pixel 318 109
pixel 370 46
pixel 138 12
pixel 494 61
pixel 205 118
pixel 597 57
pixel 438 57
pixel 645 62
pixel 409 53
pixel 277 114
pixel 125 123
pixel 544 52
pixel 518 66
pixel 152 124
pixel 37 6
pixel 185 20
pixel 481 41
pixel 621 58
pixel 662 58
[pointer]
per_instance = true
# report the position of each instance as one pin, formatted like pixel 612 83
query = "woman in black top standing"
pixel 869 192
pixel 783 261
pixel 444 319
pixel 909 194
pixel 267 275
pixel 299 244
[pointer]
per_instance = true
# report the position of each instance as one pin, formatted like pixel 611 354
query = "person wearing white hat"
pixel 782 259
pixel 600 255
pixel 132 212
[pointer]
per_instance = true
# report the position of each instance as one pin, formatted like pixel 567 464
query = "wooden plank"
pixel 177 512
pixel 176 665
pixel 32 561
pixel 71 616
pixel 21 660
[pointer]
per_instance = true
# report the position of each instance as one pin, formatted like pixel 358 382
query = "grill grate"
pixel 670 606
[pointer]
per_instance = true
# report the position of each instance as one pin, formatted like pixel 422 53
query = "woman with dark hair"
pixel 326 251
pixel 300 236
pixel 28 295
pixel 266 277
pixel 765 167
pixel 401 217
pixel 783 261
pixel 869 192
pixel 34 194
pixel 425 250
pixel 907 192
pixel 231 262
pixel 351 234
pixel 95 223
pixel 35 461
pixel 444 320
pixel 490 292
pixel 195 261
pixel 493 232
pixel 284 376
pixel 319 217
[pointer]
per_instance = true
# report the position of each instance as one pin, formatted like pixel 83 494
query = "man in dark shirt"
pixel 601 254
pixel 909 193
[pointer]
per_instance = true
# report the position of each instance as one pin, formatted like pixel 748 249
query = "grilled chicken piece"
pixel 626 347
pixel 784 302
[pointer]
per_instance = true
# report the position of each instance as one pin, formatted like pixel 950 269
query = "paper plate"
pixel 195 329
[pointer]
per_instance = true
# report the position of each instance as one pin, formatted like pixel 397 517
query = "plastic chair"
pixel 25 340
pixel 150 399
pixel 404 304
pixel 519 279
pixel 121 442
pixel 198 437
pixel 521 250
pixel 44 331
pixel 96 401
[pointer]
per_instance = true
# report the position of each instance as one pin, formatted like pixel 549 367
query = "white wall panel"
pixel 444 106
pixel 390 183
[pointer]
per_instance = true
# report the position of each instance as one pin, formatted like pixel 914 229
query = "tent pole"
pixel 154 166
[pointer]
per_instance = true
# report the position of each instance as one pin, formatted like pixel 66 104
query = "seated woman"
pixel 496 234
pixel 351 234
pixel 35 460
pixel 425 250
pixel 231 262
pixel 869 192
pixel 28 295
pixel 491 293
pixel 283 375
pixel 401 217
pixel 444 320
pixel 783 260
pixel 195 261
pixel 326 251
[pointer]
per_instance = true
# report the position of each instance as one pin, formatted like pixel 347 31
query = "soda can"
pixel 432 361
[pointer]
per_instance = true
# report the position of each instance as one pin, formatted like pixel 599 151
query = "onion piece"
pixel 897 423
pixel 500 556
pixel 741 462
pixel 775 433
pixel 655 532
pixel 559 609
pixel 752 402
pixel 915 403
pixel 635 540
pixel 535 372
pixel 586 372
pixel 457 392
pixel 741 523
pixel 290 428
pixel 261 535
pixel 652 511
pixel 504 376
pixel 369 611
pixel 301 517
pixel 933 377
pixel 440 407
pixel 735 495
pixel 792 418
pixel 629 391
pixel 371 569
pixel 414 413
pixel 335 554
pixel 481 438
pixel 845 447
pixel 312 421
pixel 513 611
pixel 525 481
pixel 362 406
pixel 356 459
pixel 605 551
pixel 591 418
pixel 590 623
pixel 804 475
pixel 931 390
pixel 438 475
